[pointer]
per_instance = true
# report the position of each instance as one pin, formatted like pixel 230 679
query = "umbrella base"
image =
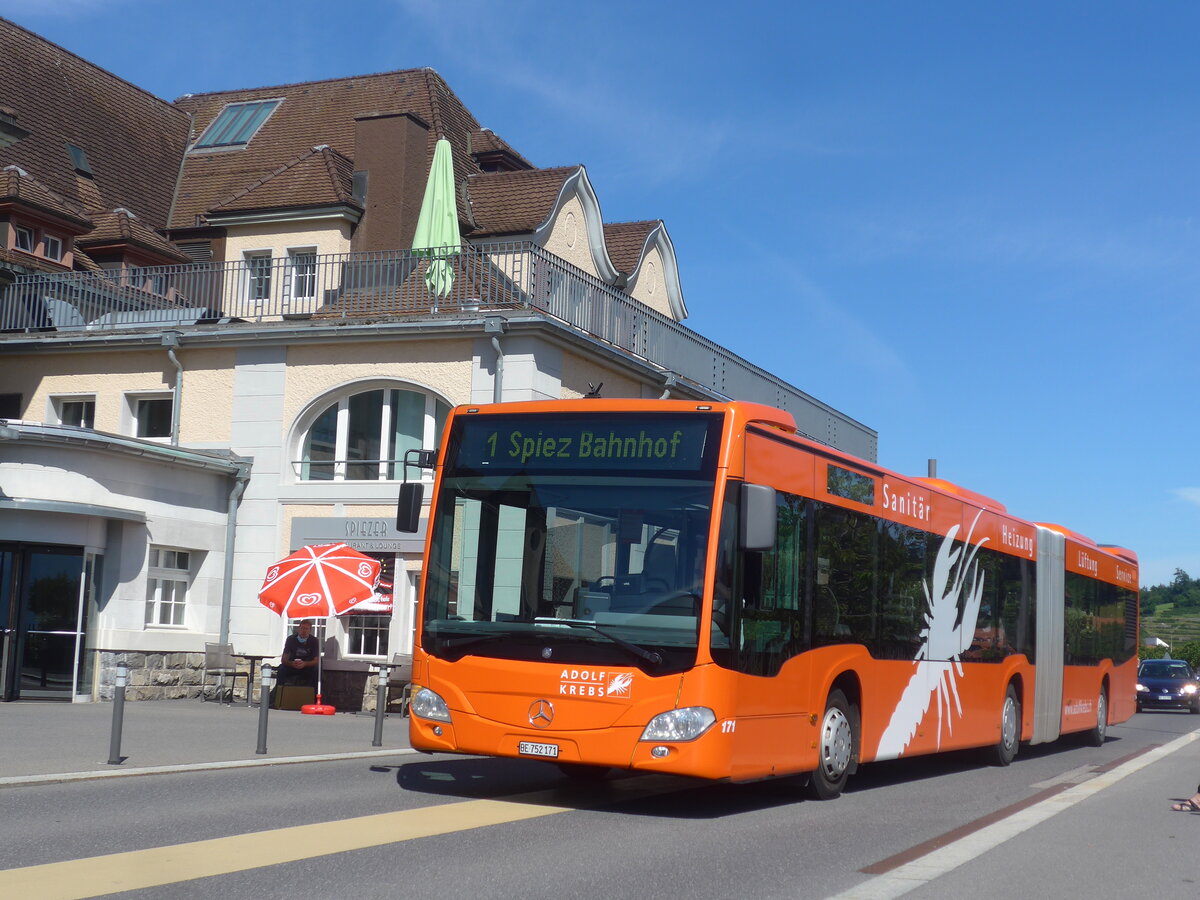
pixel 317 709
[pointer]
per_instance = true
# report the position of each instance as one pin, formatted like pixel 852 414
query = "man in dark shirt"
pixel 301 653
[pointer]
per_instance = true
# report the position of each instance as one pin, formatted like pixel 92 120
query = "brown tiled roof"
pixel 85 262
pixel 18 186
pixel 514 202
pixel 625 241
pixel 26 261
pixel 119 226
pixel 312 113
pixel 486 143
pixel 134 141
pixel 321 175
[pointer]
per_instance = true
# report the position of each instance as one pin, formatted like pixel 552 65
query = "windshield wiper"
pixel 458 643
pixel 651 656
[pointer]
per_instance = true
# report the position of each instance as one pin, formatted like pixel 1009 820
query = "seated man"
pixel 301 653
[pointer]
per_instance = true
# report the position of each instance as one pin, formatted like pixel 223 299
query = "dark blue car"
pixel 1167 684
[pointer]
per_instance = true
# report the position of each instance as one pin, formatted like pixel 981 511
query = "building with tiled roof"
pixel 216 346
pixel 86 143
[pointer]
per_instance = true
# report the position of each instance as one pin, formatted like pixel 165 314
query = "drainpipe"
pixel 235 495
pixel 494 325
pixel 170 340
pixel 667 385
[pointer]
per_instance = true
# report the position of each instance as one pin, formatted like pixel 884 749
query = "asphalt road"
pixel 420 826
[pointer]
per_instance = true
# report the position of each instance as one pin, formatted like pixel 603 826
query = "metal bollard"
pixel 118 718
pixel 381 688
pixel 264 704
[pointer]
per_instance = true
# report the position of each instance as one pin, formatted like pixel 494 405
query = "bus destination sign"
pixel 580 443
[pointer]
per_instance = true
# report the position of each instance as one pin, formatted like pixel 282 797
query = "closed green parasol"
pixel 437 236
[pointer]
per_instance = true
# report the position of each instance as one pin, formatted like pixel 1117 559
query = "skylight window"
pixel 236 124
pixel 79 159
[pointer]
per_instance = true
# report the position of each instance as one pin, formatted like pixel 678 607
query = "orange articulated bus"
pixel 693 588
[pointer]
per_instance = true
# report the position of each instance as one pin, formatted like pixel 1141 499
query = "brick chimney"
pixel 393 150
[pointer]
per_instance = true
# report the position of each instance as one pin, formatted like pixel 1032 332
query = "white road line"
pixel 26 780
pixel 920 872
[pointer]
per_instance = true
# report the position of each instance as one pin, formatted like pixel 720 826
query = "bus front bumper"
pixel 707 756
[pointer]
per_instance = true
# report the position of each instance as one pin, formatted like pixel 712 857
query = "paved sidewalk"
pixel 56 739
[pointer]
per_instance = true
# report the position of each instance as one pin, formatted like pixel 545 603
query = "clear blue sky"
pixel 974 230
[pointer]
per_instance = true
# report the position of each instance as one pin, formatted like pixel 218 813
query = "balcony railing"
pixel 302 287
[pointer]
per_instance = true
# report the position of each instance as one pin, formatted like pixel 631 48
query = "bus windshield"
pixel 594 561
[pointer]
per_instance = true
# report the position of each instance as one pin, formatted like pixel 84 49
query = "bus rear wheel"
pixel 1004 750
pixel 836 744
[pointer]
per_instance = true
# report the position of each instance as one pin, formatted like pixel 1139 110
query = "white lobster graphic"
pixel 938 666
pixel 620 685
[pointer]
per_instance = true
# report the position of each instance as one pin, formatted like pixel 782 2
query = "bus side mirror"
pixel 758 517
pixel 408 508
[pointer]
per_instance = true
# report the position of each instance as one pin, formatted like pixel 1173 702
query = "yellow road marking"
pixel 137 869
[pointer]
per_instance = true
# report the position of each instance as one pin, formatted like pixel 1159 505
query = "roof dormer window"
pixel 25 239
pixel 236 124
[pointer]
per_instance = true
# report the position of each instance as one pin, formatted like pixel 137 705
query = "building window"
pixel 258 276
pixel 167 579
pixel 367 635
pixel 10 406
pixel 367 624
pixel 25 239
pixel 152 417
pixel 236 124
pixel 364 436
pixel 304 274
pixel 77 411
pixel 53 247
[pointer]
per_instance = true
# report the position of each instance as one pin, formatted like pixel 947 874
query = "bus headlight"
pixel 685 724
pixel 428 705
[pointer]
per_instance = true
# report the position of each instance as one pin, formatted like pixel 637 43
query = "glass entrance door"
pixel 48 623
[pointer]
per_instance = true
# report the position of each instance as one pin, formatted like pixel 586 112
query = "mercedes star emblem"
pixel 541 713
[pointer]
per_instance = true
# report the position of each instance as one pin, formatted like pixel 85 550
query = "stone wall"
pixel 180 676
pixel 166 676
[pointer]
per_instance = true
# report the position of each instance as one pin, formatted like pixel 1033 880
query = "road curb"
pixel 99 774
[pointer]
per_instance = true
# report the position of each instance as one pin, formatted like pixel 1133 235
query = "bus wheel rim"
pixel 836 743
pixel 1009 733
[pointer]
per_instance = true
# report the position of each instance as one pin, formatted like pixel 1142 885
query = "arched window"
pixel 363 436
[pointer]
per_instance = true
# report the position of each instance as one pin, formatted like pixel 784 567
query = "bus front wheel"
pixel 836 744
pixel 1095 737
pixel 1004 750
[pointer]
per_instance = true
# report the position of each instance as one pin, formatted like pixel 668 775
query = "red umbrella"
pixel 318 582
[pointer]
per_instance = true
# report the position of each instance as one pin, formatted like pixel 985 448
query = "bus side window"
pixel 845 608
